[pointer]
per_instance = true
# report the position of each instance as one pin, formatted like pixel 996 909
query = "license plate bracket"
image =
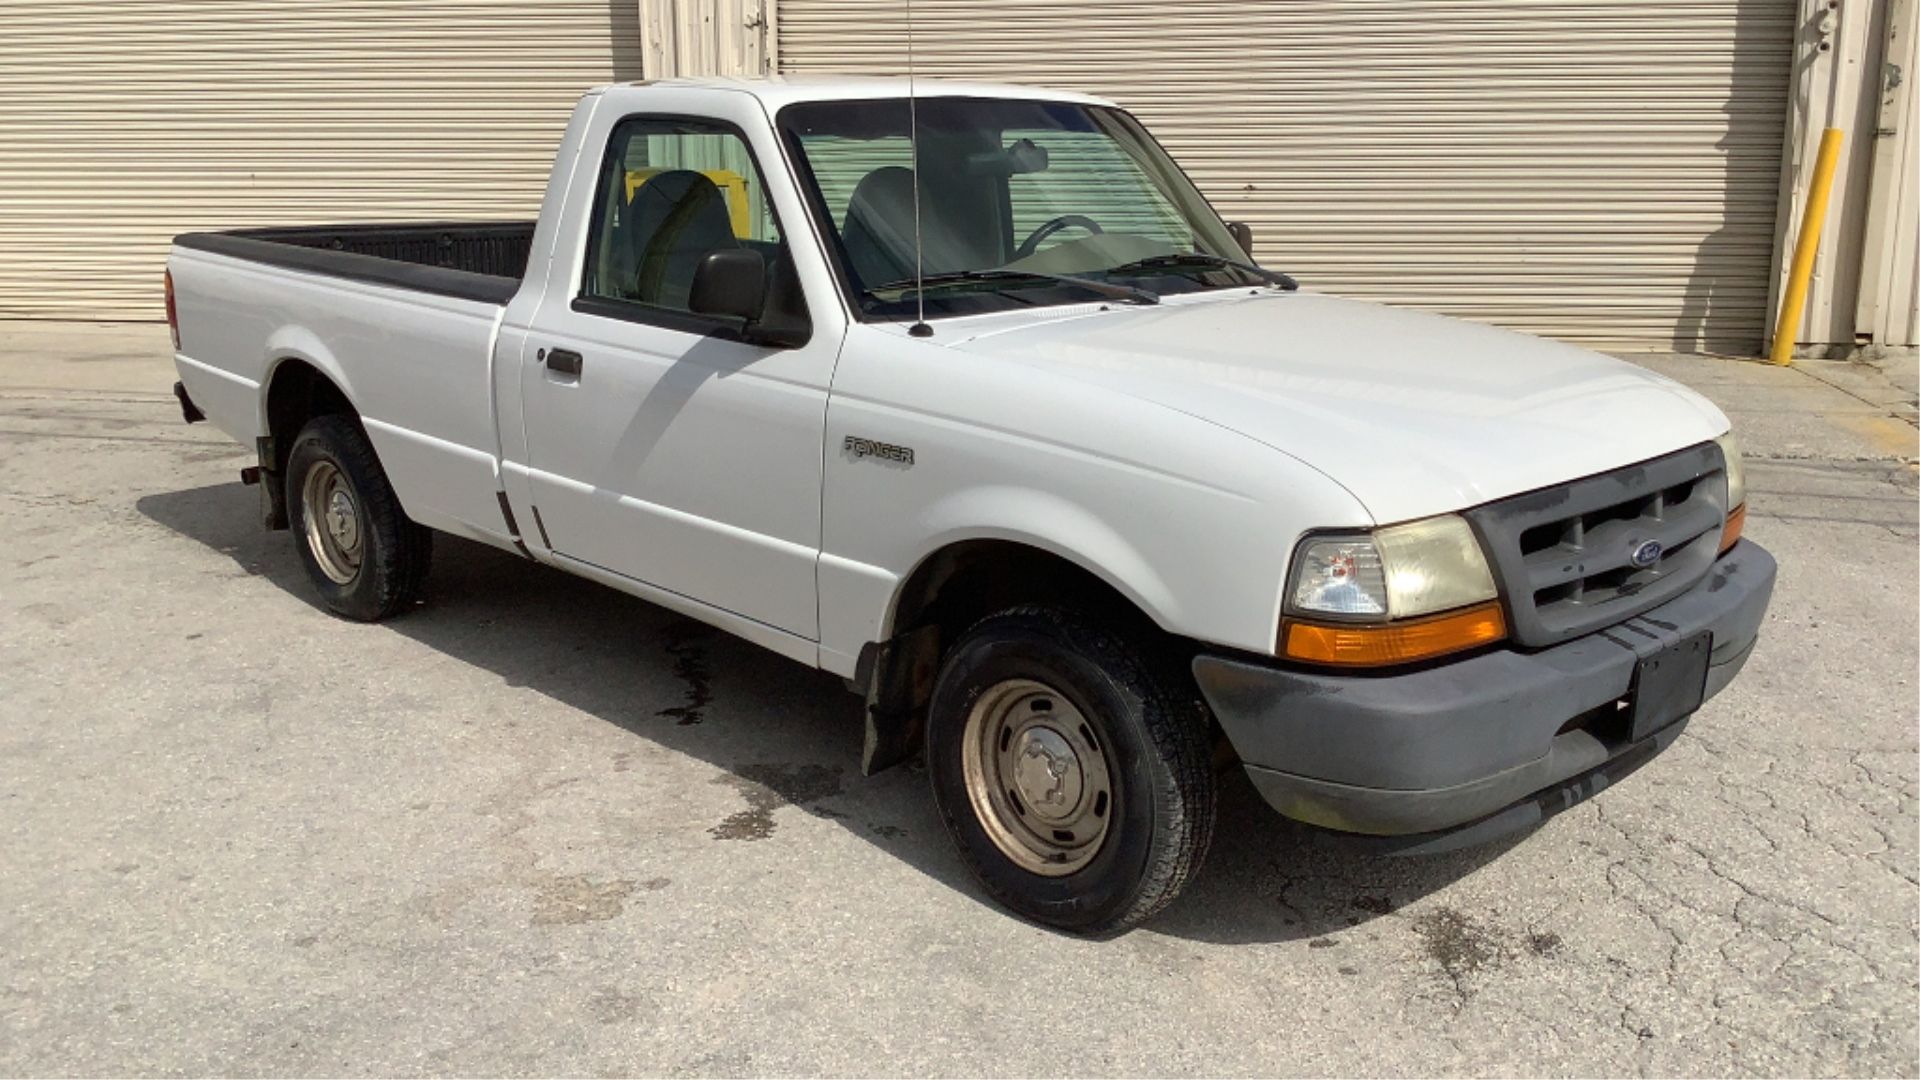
pixel 1669 684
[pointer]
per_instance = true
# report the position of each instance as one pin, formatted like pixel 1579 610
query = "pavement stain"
pixel 1377 905
pixel 686 643
pixel 566 901
pixel 766 788
pixel 1464 948
pixel 611 1005
pixel 1456 944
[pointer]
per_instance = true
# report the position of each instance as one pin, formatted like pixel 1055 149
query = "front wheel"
pixel 366 558
pixel 1072 769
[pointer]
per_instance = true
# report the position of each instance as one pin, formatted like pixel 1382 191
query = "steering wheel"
pixel 1064 221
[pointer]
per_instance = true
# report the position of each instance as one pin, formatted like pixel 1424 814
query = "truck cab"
pixel 964 392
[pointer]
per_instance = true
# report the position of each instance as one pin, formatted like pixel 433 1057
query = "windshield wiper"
pixel 1128 293
pixel 1187 260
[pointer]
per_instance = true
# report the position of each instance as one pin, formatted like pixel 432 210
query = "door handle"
pixel 562 361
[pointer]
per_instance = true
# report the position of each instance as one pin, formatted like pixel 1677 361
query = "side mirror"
pixel 730 282
pixel 1242 235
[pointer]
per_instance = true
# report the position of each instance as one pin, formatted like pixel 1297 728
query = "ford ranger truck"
pixel 973 400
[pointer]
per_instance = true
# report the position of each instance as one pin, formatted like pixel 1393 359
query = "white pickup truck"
pixel 971 398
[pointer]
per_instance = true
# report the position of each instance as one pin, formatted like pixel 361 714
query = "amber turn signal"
pixel 1356 645
pixel 1730 533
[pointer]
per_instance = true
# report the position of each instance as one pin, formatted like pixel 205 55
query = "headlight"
pixel 1397 572
pixel 1736 470
pixel 1433 565
pixel 1403 593
pixel 1340 577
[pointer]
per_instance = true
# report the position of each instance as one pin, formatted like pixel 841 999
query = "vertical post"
pixel 1804 250
pixel 1883 312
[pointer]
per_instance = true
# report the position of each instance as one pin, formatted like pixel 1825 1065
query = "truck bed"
pixel 401 316
pixel 481 260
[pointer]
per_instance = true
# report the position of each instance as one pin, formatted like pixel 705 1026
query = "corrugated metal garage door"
pixel 1603 171
pixel 122 124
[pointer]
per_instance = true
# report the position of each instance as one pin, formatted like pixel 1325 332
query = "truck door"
pixel 657 448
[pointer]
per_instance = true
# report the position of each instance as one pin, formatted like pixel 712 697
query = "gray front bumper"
pixel 1481 738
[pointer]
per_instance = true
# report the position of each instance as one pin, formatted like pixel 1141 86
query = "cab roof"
pixel 775 91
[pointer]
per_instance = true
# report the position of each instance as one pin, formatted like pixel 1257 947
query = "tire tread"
pixel 1175 721
pixel 399 559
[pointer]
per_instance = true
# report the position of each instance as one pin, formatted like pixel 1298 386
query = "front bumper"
pixel 1464 751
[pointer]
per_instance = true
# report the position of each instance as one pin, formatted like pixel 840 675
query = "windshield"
pixel 1017 199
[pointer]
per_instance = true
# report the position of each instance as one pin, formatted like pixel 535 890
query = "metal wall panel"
pixel 1604 171
pixel 124 122
pixel 706 37
pixel 1887 307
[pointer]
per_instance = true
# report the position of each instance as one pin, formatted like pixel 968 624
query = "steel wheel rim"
pixel 335 532
pixel 1037 776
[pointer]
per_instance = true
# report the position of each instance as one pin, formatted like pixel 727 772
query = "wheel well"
pixel 965 582
pixel 944 596
pixel 298 393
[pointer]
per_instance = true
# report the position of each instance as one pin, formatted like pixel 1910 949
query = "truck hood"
pixel 1414 414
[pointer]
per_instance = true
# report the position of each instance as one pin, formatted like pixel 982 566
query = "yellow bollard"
pixel 1795 302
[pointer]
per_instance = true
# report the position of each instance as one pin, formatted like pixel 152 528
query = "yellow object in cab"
pixel 730 183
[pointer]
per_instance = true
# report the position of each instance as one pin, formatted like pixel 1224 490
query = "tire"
pixel 1012 693
pixel 370 562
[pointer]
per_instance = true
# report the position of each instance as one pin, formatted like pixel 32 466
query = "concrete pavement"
pixel 536 827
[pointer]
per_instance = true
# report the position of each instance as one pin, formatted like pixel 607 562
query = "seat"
pixel 879 227
pixel 674 221
pixel 878 233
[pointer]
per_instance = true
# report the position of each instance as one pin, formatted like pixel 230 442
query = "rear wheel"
pixel 1072 769
pixel 366 558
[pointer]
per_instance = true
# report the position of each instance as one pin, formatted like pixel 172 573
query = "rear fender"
pixel 299 343
pixel 289 343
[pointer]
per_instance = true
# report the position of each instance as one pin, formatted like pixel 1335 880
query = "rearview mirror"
pixel 1242 235
pixel 1026 157
pixel 731 282
pixel 1019 159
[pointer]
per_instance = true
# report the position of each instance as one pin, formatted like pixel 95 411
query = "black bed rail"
pixel 472 260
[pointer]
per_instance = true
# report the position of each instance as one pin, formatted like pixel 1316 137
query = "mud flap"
pixel 188 410
pixel 899 685
pixel 273 485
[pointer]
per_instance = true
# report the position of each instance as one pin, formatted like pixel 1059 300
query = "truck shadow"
pixel 788 735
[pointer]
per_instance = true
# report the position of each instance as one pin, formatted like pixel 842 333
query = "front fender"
pixel 1056 525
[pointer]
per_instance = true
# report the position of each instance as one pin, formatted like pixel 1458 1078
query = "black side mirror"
pixel 730 282
pixel 1242 235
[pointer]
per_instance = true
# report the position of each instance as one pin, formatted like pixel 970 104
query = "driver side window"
pixel 671 192
pixel 1089 176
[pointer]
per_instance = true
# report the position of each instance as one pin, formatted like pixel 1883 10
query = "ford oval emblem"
pixel 1646 554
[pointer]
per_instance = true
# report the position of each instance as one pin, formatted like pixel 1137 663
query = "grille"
pixel 1565 557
